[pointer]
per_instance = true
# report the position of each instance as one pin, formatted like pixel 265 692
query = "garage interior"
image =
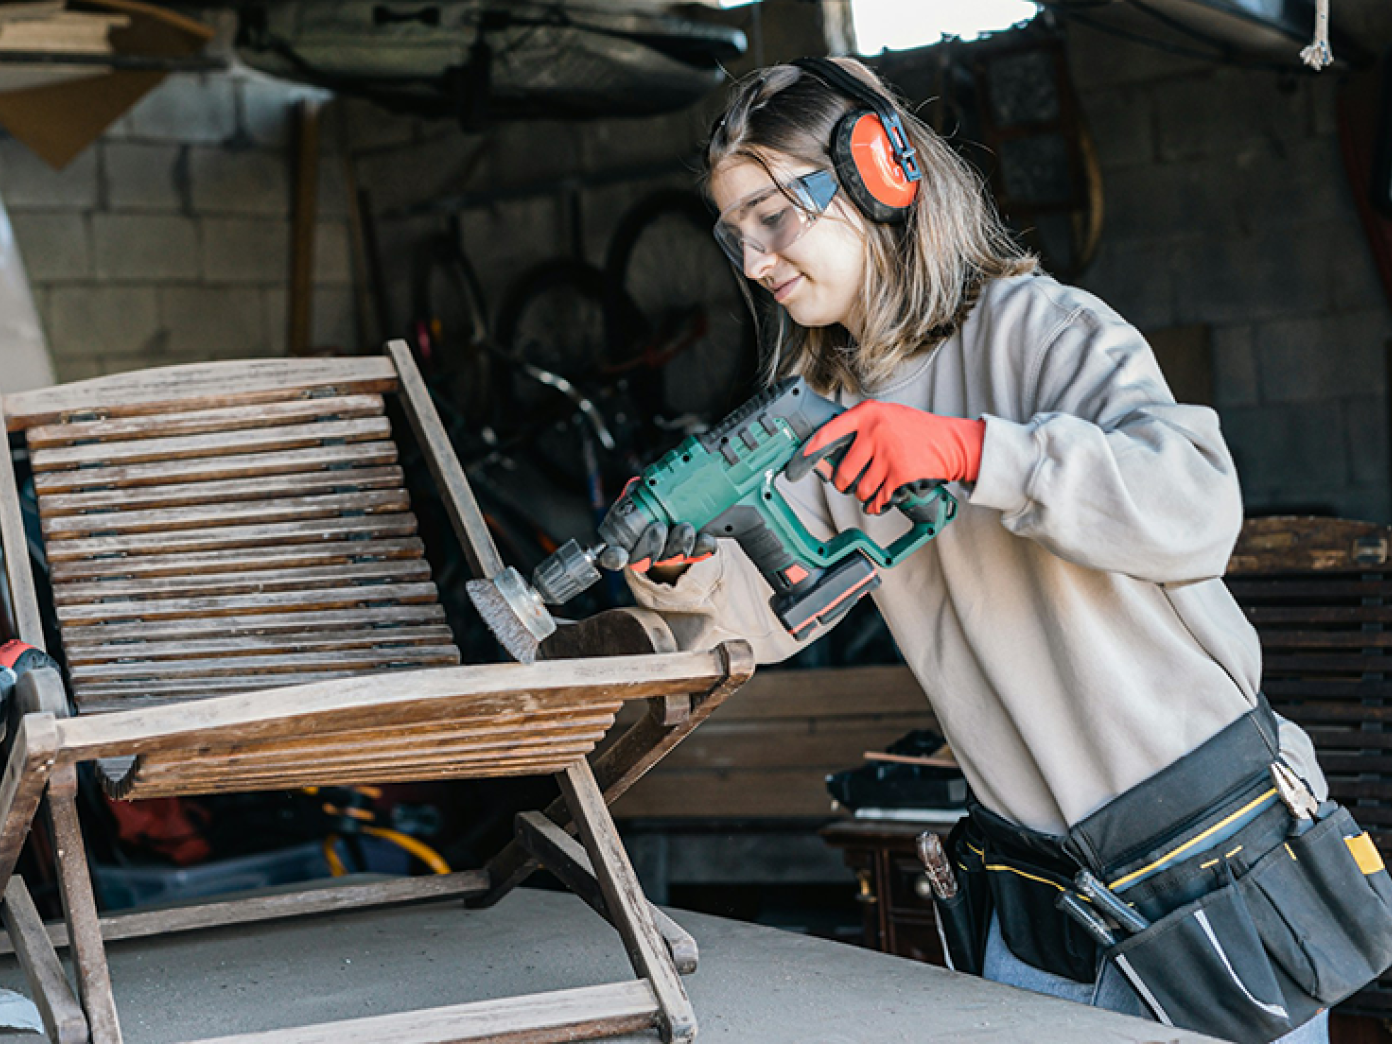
pixel 513 190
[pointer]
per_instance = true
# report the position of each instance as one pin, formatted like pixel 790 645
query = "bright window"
pixel 896 25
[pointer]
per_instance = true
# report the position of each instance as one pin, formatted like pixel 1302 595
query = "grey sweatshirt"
pixel 1069 627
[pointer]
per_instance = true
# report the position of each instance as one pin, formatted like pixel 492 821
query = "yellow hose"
pixel 417 848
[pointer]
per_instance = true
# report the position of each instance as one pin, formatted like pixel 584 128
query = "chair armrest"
pixel 615 632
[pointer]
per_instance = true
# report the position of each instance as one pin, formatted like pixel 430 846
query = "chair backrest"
pixel 1319 592
pixel 230 527
pixel 197 551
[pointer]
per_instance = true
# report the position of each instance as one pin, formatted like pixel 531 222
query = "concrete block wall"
pixel 1227 204
pixel 168 239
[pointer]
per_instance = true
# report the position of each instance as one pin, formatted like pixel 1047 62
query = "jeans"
pixel 1108 992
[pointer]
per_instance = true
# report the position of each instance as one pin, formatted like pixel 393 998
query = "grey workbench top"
pixel 754 985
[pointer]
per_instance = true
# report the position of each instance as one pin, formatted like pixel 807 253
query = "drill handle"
pixel 917 501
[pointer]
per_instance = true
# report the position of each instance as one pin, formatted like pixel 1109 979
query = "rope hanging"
pixel 1318 55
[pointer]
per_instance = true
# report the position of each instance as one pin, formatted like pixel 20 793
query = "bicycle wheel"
pixel 450 328
pixel 551 324
pixel 692 319
pixel 553 317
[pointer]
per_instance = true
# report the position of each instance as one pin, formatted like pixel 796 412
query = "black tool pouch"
pixel 1304 926
pixel 1026 873
pixel 965 919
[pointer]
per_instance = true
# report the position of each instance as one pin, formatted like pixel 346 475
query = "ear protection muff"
pixel 874 161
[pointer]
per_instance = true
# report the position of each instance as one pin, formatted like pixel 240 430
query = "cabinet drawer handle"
pixel 867 890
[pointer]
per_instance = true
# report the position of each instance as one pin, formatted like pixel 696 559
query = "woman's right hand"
pixel 662 553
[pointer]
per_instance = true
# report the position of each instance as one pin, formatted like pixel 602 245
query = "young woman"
pixel 1096 680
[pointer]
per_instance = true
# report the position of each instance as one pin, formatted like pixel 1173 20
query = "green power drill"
pixel 722 483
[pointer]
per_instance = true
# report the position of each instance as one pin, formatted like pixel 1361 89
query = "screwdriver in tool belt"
pixel 1069 902
pixel 1105 899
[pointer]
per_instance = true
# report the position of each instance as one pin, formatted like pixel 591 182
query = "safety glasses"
pixel 772 219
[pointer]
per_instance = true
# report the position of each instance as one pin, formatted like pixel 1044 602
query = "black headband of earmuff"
pixel 838 79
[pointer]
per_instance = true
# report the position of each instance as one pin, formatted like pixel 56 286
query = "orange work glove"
pixel 895 445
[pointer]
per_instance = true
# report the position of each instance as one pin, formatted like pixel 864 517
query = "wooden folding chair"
pixel 244 605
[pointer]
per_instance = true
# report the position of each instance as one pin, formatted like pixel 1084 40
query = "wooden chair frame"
pixel 47 743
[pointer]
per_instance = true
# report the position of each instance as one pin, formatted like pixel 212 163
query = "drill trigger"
pixel 824 461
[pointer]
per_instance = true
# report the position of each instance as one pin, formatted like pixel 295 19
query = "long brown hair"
pixel 923 276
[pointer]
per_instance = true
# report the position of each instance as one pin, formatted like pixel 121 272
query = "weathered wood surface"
pixel 24 604
pixel 80 909
pixel 62 1016
pixel 294 556
pixel 1289 543
pixel 331 504
pixel 588 1013
pixel 368 594
pixel 564 857
pixel 284 905
pixel 237 467
pixel 31 761
pixel 217 444
pixel 233 647
pixel 198 386
pixel 469 525
pixel 400 697
pixel 623 898
pixel 264 624
pixel 305 532
pixel 243 581
pixel 625 761
pixel 201 422
pixel 223 491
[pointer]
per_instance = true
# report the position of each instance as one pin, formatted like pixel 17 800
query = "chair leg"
pixel 62 1015
pixel 561 854
pixel 623 896
pixel 80 909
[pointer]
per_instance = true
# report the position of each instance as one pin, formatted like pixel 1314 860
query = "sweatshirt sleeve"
pixel 1109 472
pixel 725 597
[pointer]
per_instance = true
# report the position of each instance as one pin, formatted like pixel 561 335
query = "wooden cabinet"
pixel 898 903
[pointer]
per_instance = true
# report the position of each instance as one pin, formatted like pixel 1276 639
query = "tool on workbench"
pixel 722 483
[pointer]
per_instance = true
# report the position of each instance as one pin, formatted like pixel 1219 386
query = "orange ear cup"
pixel 874 160
pixel 867 169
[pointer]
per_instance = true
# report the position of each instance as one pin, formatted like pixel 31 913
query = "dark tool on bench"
pixel 722 484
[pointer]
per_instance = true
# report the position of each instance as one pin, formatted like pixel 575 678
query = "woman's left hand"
pixel 895 445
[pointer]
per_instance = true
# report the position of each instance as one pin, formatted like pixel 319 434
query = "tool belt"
pixel 1258 917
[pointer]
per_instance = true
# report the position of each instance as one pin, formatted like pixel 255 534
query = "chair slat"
pixel 219 444
pixel 437 747
pixel 302 532
pixel 234 605
pixel 225 491
pixel 491 768
pixel 187 387
pixel 165 520
pixel 237 466
pixel 234 647
pixel 368 659
pixel 303 579
pixel 328 553
pixel 297 623
pixel 197 422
